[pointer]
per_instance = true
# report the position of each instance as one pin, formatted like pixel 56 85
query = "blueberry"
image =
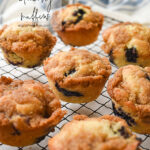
pixel 16 63
pixel 67 92
pixel 63 23
pixel 123 115
pixel 123 132
pixel 111 59
pixel 46 115
pixel 147 77
pixel 70 72
pixel 16 131
pixel 131 54
pixel 79 13
pixel 78 19
pixel 11 62
pixel 75 13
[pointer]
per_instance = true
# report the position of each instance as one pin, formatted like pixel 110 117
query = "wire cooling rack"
pixel 101 106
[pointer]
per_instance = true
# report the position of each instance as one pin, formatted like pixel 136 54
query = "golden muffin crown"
pixel 130 87
pixel 104 133
pixel 75 66
pixel 76 15
pixel 127 43
pixel 26 37
pixel 26 44
pixel 28 101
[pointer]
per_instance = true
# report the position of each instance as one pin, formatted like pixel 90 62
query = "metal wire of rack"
pixel 101 106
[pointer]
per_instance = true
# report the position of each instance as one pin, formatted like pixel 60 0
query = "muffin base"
pixel 14 59
pixel 22 139
pixel 84 95
pixel 79 37
pixel 136 124
pixel 21 136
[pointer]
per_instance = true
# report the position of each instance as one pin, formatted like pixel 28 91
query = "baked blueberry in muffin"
pixel 77 76
pixel 28 111
pixel 77 24
pixel 127 43
pixel 103 133
pixel 130 93
pixel 120 113
pixel 26 44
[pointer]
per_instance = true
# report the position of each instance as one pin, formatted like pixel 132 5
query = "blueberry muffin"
pixel 77 76
pixel 103 133
pixel 127 43
pixel 130 93
pixel 26 44
pixel 28 111
pixel 77 24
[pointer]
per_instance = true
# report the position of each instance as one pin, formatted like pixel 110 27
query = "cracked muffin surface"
pixel 28 111
pixel 77 75
pixel 103 133
pixel 77 24
pixel 127 43
pixel 130 93
pixel 26 44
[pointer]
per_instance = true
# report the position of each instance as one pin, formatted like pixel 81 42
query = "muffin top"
pixel 26 38
pixel 130 87
pixel 104 133
pixel 127 37
pixel 76 67
pixel 28 104
pixel 76 16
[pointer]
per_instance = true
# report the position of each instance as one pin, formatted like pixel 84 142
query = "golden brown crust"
pixel 130 90
pixel 31 43
pixel 90 19
pixel 124 36
pixel 102 133
pixel 80 28
pixel 87 65
pixel 88 70
pixel 28 110
pixel 130 83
